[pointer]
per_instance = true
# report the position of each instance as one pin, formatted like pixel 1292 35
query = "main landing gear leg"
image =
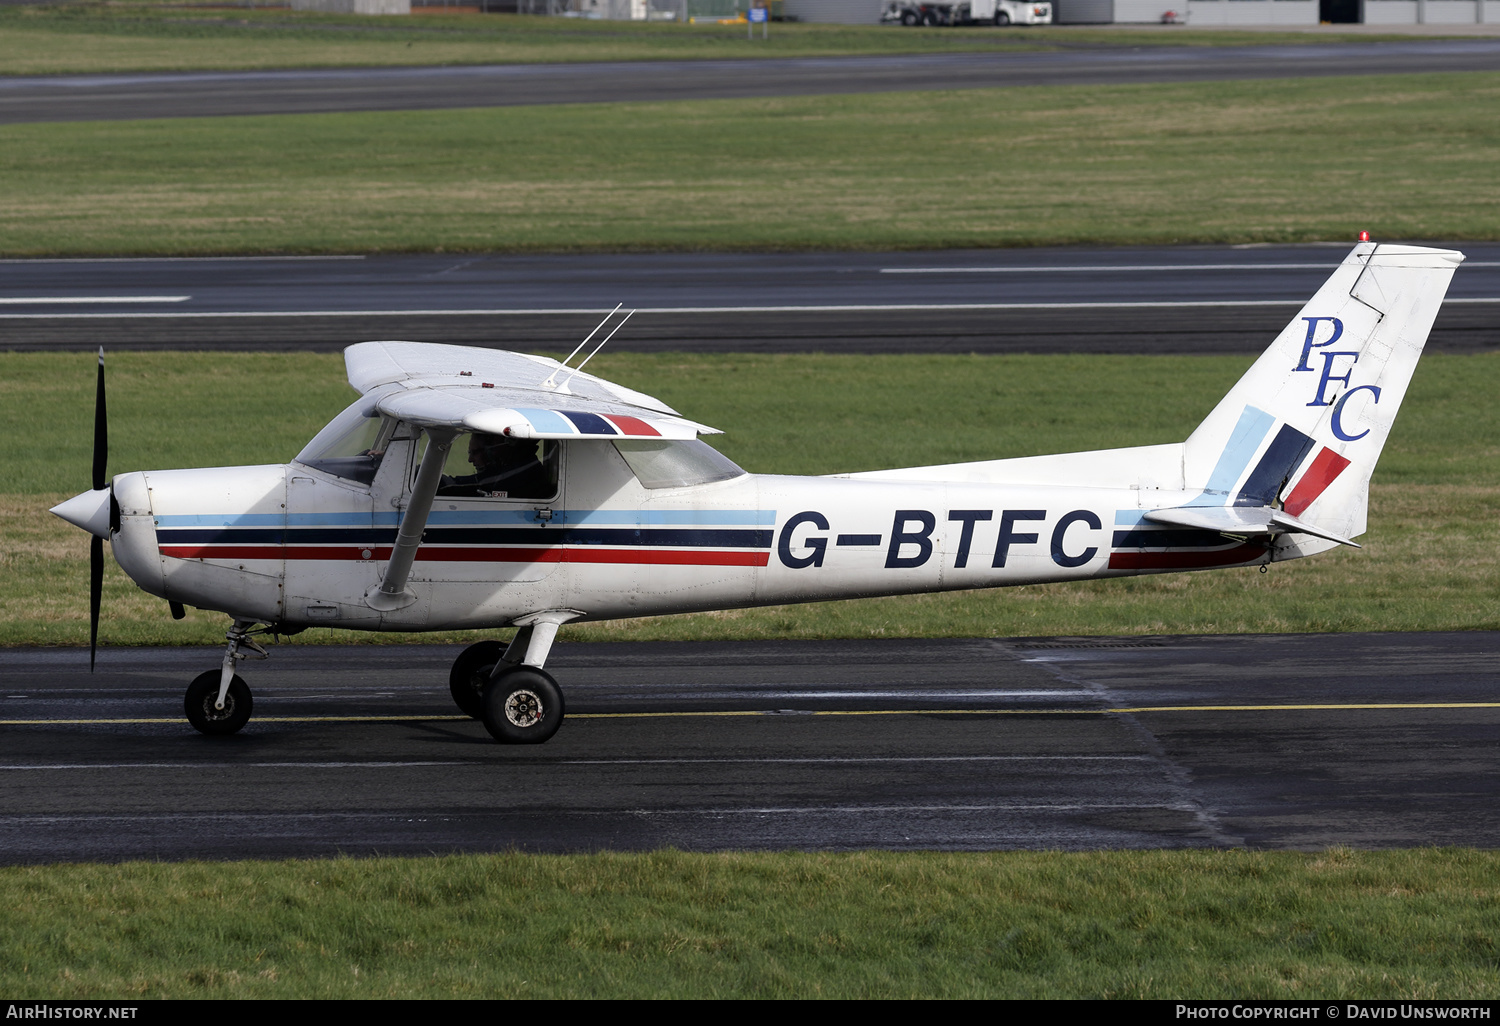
pixel 519 702
pixel 218 701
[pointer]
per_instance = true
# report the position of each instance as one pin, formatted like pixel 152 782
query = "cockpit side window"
pixel 499 467
pixel 352 445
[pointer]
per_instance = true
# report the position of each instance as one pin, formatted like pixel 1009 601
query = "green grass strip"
pixel 1216 924
pixel 1409 156
pixel 1431 559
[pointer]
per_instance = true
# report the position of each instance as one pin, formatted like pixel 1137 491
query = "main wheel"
pixel 523 706
pixel 1001 18
pixel 910 18
pixel 470 673
pixel 203 692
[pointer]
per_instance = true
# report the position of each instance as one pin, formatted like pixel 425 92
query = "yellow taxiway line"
pixel 1311 707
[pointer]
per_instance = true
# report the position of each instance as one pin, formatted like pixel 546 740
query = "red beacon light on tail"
pixel 1364 236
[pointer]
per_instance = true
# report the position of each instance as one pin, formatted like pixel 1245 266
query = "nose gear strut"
pixel 239 636
pixel 219 701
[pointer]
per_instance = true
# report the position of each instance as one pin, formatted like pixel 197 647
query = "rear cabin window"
pixel 677 464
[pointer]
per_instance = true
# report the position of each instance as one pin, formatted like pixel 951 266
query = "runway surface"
pixel 1189 299
pixel 1299 741
pixel 215 94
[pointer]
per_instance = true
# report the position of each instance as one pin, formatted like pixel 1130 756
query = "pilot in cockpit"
pixel 503 468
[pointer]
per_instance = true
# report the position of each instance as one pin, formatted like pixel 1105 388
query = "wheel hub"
pixel 523 708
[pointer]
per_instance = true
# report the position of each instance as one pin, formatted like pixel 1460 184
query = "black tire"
pixel 199 704
pixel 523 706
pixel 1001 18
pixel 910 18
pixel 470 673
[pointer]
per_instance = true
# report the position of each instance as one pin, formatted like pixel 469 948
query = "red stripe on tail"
pixel 1327 466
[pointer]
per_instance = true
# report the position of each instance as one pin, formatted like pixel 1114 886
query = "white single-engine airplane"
pixel 473 489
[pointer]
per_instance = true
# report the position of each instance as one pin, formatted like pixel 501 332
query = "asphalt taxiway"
pixel 1183 299
pixel 1293 741
pixel 217 94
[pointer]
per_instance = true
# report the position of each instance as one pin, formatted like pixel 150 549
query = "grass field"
pixel 1341 924
pixel 91 36
pixel 1431 561
pixel 1408 157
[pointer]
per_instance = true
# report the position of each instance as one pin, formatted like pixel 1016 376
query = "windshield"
pixel 676 464
pixel 353 444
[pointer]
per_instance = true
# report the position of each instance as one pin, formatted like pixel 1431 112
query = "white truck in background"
pixel 969 12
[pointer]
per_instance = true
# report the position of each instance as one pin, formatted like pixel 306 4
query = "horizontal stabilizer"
pixel 1241 521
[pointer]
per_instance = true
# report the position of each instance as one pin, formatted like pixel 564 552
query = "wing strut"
pixel 392 593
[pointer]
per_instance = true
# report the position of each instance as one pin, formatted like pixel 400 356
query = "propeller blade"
pixel 96 544
pixel 96 590
pixel 101 428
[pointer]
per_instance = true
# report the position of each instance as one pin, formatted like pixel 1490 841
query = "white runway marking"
pixel 1105 268
pixel 581 311
pixel 98 300
pixel 666 761
pixel 209 816
pixel 167 259
pixel 766 692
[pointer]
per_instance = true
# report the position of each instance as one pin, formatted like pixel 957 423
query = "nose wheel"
pixel 218 702
pixel 201 704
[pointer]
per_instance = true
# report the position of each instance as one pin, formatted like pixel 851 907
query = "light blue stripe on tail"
pixel 1246 437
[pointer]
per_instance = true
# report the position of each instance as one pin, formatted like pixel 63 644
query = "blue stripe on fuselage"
pixel 673 517
pixel 544 536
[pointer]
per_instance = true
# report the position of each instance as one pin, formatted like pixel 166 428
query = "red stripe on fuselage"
pixel 1327 466
pixel 438 554
pixel 1181 560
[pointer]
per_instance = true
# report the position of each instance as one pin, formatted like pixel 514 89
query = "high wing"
pixel 468 389
pixel 448 389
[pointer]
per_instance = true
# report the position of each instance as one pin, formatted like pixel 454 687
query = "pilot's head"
pixel 487 451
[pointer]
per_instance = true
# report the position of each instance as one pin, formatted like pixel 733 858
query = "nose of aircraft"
pixel 88 510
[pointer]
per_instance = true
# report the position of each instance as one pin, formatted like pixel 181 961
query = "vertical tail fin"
pixel 1302 430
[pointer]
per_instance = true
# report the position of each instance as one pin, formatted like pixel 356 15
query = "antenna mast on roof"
pixel 600 346
pixel 551 381
pixel 554 383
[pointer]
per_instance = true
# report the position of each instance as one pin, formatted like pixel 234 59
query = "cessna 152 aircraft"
pixel 474 489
